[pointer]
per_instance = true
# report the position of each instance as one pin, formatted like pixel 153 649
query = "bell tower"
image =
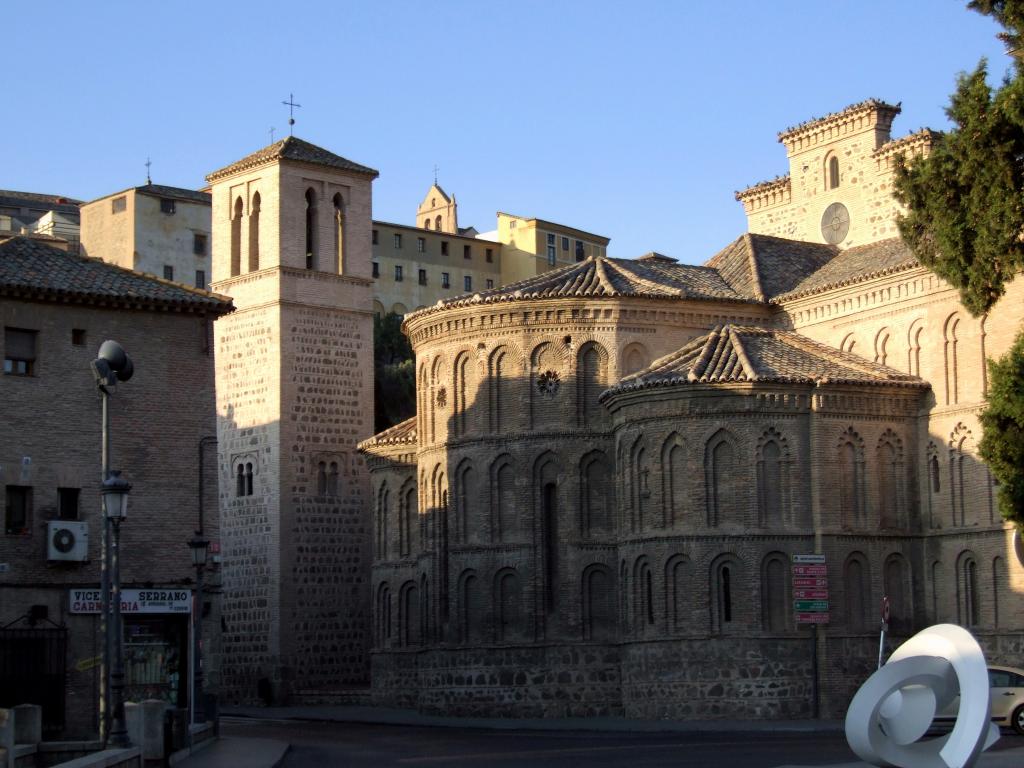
pixel 291 247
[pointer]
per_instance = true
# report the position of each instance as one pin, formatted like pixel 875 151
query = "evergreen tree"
pixel 965 208
pixel 394 385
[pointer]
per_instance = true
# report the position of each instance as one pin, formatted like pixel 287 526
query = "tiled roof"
pixel 732 354
pixel 159 190
pixel 403 433
pixel 295 149
pixel 37 200
pixel 602 277
pixel 30 269
pixel 762 266
pixel 853 265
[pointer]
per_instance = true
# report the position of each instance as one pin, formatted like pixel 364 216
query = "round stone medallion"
pixel 835 223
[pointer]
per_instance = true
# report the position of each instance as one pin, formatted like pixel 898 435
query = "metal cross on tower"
pixel 272 129
pixel 436 169
pixel 291 111
pixel 148 181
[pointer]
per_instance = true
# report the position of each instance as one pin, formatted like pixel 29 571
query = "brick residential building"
pixel 57 308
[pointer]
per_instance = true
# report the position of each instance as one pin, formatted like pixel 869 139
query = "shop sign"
pixel 134 600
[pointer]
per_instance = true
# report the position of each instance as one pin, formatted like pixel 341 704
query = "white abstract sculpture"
pixel 896 705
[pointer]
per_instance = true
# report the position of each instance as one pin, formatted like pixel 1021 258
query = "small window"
pixel 551 255
pixel 423 277
pixel 445 280
pixel 199 244
pixel 551 239
pixel 512 224
pixel 426 223
pixel 19 352
pixel 398 273
pixel 833 172
pixel 490 283
pixel 16 510
pixel 467 252
pixel 489 255
pixel 119 204
pixel 166 205
pixel 67 503
pixel 201 279
pixel 444 247
pixel 78 337
pixel 374 234
pixel 565 243
pixel 376 269
pixel 467 283
pixel 421 245
pixel 580 253
pixel 168 272
pixel 398 241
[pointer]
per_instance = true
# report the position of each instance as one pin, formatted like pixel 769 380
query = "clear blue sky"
pixel 637 120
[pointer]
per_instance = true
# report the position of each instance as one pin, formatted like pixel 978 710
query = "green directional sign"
pixel 804 606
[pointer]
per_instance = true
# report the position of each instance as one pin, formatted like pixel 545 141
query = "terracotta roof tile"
pixel 295 149
pixel 731 354
pixel 403 433
pixel 762 266
pixel 853 265
pixel 602 277
pixel 33 270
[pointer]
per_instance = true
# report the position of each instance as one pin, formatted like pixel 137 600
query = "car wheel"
pixel 1017 719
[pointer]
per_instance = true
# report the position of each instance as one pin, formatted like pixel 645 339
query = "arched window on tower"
pixel 240 481
pixel 311 229
pixel 332 479
pixel 339 232
pixel 833 172
pixel 426 223
pixel 969 607
pixel 248 479
pixel 437 223
pixel 254 234
pixel 236 238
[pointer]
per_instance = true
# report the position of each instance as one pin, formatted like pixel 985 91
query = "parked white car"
pixel 1006 691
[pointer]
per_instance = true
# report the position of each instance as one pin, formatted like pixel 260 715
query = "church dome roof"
pixel 736 354
pixel 403 433
pixel 297 150
pixel 653 277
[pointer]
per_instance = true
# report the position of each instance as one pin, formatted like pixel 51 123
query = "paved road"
pixel 375 746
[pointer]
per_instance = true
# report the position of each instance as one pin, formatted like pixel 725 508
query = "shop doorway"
pixel 156 658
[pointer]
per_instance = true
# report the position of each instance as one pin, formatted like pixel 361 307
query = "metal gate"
pixel 33 671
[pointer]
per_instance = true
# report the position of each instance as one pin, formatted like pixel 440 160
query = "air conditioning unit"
pixel 67 540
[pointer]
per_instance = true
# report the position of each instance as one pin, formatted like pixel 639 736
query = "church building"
pixel 596 509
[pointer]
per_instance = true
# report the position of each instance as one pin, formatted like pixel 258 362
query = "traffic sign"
pixel 808 559
pixel 802 606
pixel 812 618
pixel 810 594
pixel 810 582
pixel 810 570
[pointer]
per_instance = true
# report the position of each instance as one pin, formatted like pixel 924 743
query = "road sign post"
pixel 885 628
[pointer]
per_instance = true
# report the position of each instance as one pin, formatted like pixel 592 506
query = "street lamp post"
pixel 112 365
pixel 198 546
pixel 115 507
